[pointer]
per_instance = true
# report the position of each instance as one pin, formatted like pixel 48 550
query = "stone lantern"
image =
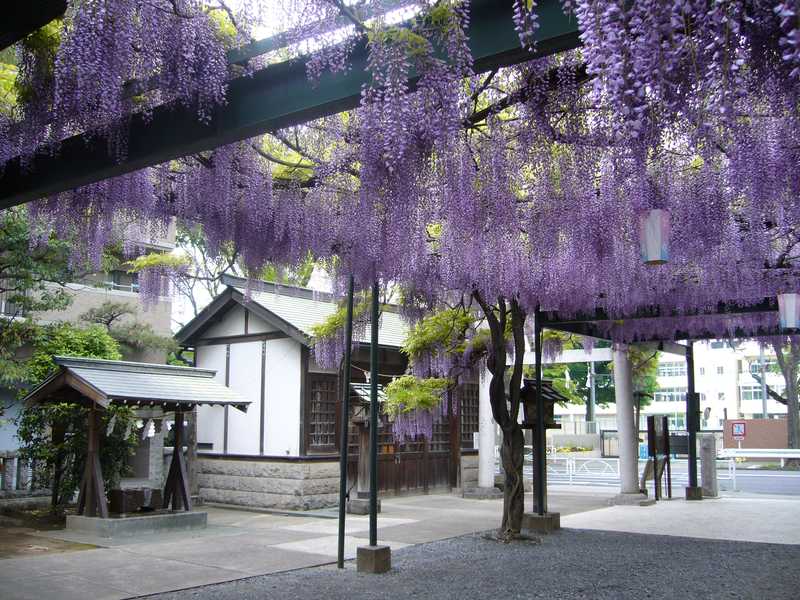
pixel 359 416
pixel 528 396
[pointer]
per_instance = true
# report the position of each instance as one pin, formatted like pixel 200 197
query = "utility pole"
pixel 762 369
pixel 591 425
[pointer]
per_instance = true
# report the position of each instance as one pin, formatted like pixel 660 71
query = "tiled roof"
pixel 305 308
pixel 130 382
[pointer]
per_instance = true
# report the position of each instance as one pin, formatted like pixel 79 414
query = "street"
pixel 605 472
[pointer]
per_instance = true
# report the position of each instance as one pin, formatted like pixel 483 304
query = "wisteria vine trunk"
pixel 505 406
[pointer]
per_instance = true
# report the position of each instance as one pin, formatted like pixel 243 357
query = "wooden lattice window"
pixel 441 436
pixel 322 408
pixel 469 413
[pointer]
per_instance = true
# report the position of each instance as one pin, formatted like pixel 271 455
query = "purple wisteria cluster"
pixel 527 183
pixel 108 59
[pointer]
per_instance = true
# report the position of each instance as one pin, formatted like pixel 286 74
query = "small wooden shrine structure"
pixel 97 384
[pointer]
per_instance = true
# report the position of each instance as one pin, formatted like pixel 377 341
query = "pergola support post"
pixel 373 558
pixel 345 423
pixel 693 491
pixel 541 520
pixel 626 429
pixel 539 432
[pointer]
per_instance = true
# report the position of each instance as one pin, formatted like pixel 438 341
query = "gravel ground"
pixel 572 564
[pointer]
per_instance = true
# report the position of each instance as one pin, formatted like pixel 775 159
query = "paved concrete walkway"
pixel 772 520
pixel 240 544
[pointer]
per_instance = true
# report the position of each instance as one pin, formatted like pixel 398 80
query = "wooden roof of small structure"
pixel 104 382
pixel 549 392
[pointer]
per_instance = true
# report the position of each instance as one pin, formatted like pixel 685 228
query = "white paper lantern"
pixel 654 236
pixel 789 310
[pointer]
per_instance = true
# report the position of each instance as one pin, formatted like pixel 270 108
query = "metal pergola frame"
pixel 276 96
pixel 588 325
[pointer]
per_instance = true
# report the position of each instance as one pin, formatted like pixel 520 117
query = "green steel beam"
pixel 277 96
pixel 26 16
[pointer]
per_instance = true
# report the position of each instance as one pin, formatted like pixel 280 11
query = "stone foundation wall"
pixel 269 483
pixel 469 471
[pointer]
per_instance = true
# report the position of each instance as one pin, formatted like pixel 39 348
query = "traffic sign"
pixel 739 430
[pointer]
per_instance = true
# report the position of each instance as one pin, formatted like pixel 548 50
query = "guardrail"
pixel 732 454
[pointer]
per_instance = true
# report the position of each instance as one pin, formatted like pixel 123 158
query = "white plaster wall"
pixel 245 378
pixel 231 324
pixel 282 427
pixel 211 419
pixel 256 325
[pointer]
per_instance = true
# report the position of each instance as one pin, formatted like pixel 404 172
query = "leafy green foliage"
pixel 67 453
pixel 296 275
pixel 30 280
pixel 8 92
pixel 36 424
pixel 43 43
pixel 65 339
pixel 443 330
pixel 157 259
pixel 335 323
pixel 408 393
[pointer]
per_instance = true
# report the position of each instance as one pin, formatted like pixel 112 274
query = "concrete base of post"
pixel 360 506
pixel 533 523
pixel 482 493
pixel 694 492
pixel 631 499
pixel 373 559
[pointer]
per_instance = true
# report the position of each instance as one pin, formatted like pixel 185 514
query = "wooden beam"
pixel 241 339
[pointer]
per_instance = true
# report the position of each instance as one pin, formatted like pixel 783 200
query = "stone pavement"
pixel 571 564
pixel 755 518
pixel 240 544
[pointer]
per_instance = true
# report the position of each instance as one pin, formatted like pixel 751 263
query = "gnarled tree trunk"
pixel 789 362
pixel 512 457
pixel 505 406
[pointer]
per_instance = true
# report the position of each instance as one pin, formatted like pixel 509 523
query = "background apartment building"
pixel 723 378
pixel 92 291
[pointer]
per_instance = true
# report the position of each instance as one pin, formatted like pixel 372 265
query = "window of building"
pixel 677 421
pixel 769 365
pixel 702 370
pixel 114 280
pixel 672 369
pixel 753 391
pixel 720 370
pixel 717 345
pixel 671 394
pixel 322 402
pixel 469 413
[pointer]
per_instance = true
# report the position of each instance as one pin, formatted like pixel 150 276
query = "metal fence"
pixel 17 476
pixel 678 441
pixel 7 307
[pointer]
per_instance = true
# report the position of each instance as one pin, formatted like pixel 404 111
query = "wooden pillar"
pixel 92 497
pixel 191 451
pixel 455 439
pixel 362 486
pixel 176 489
